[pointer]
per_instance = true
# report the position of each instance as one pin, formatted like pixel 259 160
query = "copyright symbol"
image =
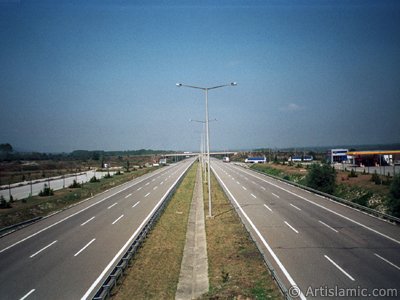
pixel 294 291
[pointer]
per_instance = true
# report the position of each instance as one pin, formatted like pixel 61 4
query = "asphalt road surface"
pixel 318 247
pixel 68 255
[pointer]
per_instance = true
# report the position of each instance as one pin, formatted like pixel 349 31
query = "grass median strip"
pixel 154 271
pixel 236 267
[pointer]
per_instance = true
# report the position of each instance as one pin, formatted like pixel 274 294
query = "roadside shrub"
pixel 363 199
pixel 108 175
pixel 47 191
pixel 4 203
pixel 94 179
pixel 352 174
pixel 376 178
pixel 75 185
pixel 322 178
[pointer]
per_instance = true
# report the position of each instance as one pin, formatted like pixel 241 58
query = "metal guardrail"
pixel 267 263
pixel 117 273
pixel 338 199
pixel 7 230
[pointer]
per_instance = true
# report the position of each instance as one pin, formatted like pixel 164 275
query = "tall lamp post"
pixel 206 89
pixel 203 144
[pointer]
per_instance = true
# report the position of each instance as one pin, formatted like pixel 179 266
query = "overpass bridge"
pixel 190 154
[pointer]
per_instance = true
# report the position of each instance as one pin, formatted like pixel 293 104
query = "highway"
pixel 317 246
pixel 68 255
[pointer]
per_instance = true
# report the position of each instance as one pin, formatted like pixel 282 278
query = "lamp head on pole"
pixel 179 84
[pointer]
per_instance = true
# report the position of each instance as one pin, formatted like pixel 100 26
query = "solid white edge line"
pixel 111 263
pixel 119 218
pixel 135 204
pixel 268 207
pixel 330 227
pixel 281 266
pixel 27 295
pixel 84 223
pixel 337 266
pixel 295 206
pixel 44 248
pixel 291 227
pixel 327 209
pixel 389 262
pixel 87 245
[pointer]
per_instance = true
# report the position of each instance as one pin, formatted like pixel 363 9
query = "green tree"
pixel 393 202
pixel 322 178
pixel 7 148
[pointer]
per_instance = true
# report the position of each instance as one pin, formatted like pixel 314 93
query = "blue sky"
pixel 101 74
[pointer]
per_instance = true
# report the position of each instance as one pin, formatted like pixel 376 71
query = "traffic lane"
pixel 42 243
pixel 358 232
pixel 70 236
pixel 300 260
pixel 351 235
pixel 71 277
pixel 64 215
pixel 67 243
pixel 303 243
pixel 341 210
pixel 95 285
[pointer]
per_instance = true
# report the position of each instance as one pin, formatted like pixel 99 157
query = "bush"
pixel 4 203
pixel 322 178
pixel 94 179
pixel 352 174
pixel 47 191
pixel 75 185
pixel 376 178
pixel 363 199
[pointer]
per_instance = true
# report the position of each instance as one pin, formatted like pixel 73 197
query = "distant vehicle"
pixel 295 158
pixel 308 158
pixel 226 159
pixel 305 158
pixel 163 161
pixel 256 160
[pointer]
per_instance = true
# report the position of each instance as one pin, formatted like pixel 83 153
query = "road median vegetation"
pixel 154 270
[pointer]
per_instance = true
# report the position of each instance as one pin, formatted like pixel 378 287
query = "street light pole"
pixel 206 89
pixel 203 143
